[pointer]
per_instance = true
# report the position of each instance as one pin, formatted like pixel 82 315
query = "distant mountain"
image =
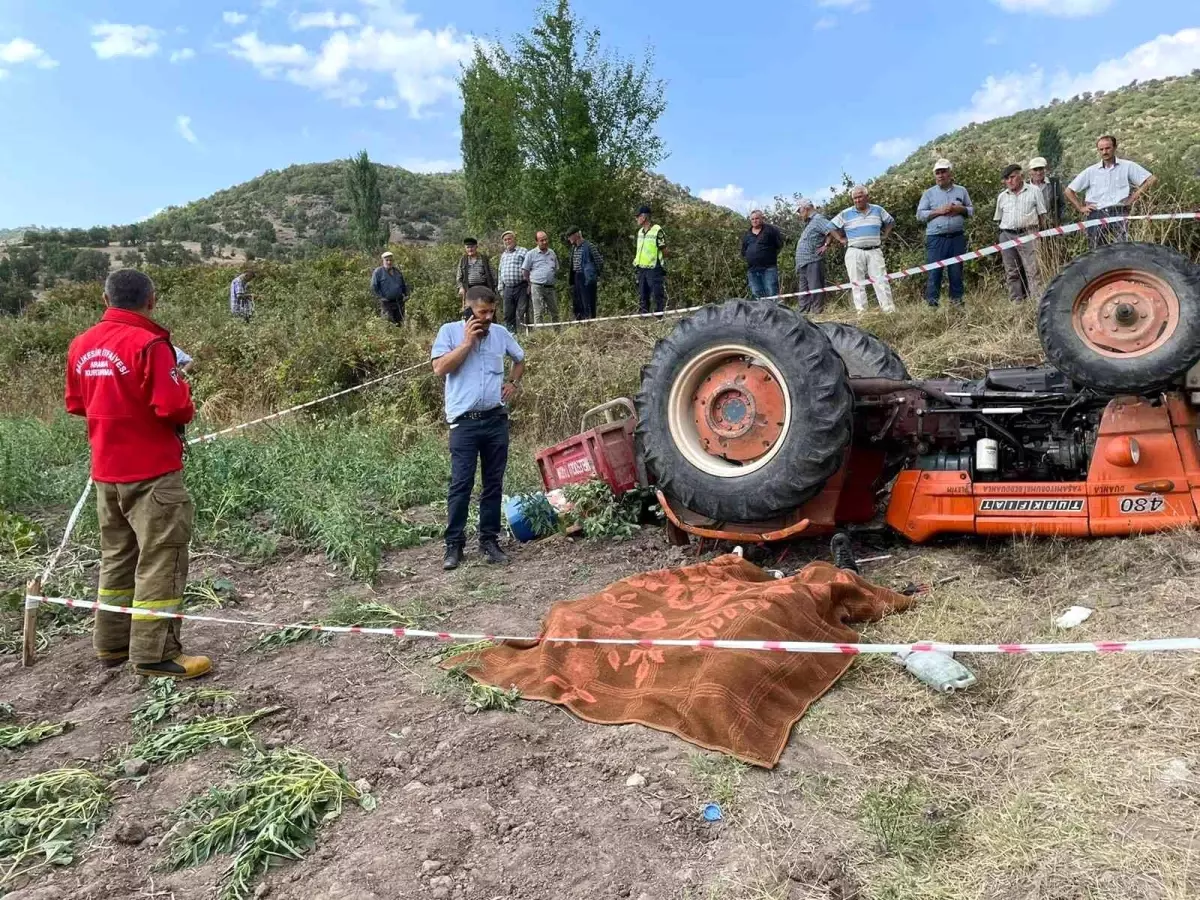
pixel 14 235
pixel 1152 121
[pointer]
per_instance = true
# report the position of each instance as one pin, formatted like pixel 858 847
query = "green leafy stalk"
pixel 178 742
pixel 164 700
pixel 13 736
pixel 42 818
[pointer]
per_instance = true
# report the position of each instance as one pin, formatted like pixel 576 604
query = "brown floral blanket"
pixel 741 702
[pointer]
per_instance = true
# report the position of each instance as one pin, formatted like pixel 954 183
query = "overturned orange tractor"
pixel 755 424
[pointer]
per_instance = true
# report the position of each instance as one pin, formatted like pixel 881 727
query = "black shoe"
pixel 454 556
pixel 492 552
pixel 843 553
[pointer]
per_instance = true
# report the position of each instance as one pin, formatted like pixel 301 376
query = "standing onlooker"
pixel 474 269
pixel 514 290
pixel 863 228
pixel 241 301
pixel 1020 209
pixel 810 256
pixel 183 361
pixel 650 250
pixel 945 207
pixel 470 355
pixel 387 283
pixel 587 265
pixel 540 269
pixel 760 249
pixel 1107 185
pixel 1050 188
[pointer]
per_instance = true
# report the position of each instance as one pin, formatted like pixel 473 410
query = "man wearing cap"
pixel 474 269
pixel 587 265
pixel 1020 210
pixel 650 251
pixel 1050 188
pixel 387 283
pixel 1112 186
pixel 862 229
pixel 514 290
pixel 944 208
pixel 810 256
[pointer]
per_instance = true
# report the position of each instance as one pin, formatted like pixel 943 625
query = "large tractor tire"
pixel 865 355
pixel 744 411
pixel 1124 318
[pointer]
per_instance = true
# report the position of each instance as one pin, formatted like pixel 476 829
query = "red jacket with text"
pixel 121 375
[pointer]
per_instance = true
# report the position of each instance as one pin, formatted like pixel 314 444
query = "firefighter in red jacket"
pixel 121 375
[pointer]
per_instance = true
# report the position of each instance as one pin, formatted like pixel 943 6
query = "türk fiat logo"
pixel 1048 506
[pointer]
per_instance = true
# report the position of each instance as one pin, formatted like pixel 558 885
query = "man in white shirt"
pixel 1020 210
pixel 1112 187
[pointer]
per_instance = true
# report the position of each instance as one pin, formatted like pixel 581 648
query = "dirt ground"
pixel 1065 777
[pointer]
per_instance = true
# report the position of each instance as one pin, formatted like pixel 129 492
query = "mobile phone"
pixel 468 314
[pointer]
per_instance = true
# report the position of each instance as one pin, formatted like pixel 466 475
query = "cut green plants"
pixel 483 697
pixel 272 813
pixel 42 818
pixel 601 514
pixel 13 736
pixel 211 593
pixel 164 700
pixel 177 742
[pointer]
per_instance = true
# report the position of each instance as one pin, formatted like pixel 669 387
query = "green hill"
pixel 1153 121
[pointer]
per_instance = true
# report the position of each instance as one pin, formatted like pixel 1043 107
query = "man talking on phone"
pixel 470 355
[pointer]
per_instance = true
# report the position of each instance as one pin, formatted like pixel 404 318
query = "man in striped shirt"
pixel 514 289
pixel 241 303
pixel 862 229
pixel 1020 209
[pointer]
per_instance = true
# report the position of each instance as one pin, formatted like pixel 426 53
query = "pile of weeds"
pixel 271 813
pixel 176 742
pixel 14 736
pixel 346 613
pixel 210 593
pixel 43 817
pixel 164 700
pixel 601 514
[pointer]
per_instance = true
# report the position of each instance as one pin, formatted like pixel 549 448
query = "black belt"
pixel 482 414
pixel 876 247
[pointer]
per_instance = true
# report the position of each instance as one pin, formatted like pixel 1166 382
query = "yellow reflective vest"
pixel 648 255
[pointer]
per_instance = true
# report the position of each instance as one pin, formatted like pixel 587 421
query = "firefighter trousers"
pixel 145 528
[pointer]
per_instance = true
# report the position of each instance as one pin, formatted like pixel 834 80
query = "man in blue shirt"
pixel 944 208
pixel 387 283
pixel 862 229
pixel 470 355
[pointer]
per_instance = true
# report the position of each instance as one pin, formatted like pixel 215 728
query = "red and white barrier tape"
pixel 1160 645
pixel 989 250
pixel 212 436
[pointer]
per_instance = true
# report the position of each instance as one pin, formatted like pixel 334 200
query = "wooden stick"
pixel 29 645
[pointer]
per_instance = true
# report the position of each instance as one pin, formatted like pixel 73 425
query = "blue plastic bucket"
pixel 515 510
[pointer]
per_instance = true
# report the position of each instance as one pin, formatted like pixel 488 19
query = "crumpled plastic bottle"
pixel 939 670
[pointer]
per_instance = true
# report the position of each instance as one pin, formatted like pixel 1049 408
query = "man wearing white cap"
pixel 1050 189
pixel 387 283
pixel 944 208
pixel 514 290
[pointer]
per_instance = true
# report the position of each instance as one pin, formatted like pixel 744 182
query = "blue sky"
pixel 112 109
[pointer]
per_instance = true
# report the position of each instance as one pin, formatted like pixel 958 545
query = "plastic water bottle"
pixel 939 670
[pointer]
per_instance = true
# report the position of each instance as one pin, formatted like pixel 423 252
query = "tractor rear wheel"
pixel 1124 318
pixel 744 411
pixel 865 355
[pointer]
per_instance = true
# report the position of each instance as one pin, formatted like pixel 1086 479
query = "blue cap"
pixel 643 210
pixel 712 813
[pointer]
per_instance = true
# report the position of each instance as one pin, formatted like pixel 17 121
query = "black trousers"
pixel 485 440
pixel 516 305
pixel 652 283
pixel 392 310
pixel 583 299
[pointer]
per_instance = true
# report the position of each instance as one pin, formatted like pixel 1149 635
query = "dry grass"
pixel 1055 777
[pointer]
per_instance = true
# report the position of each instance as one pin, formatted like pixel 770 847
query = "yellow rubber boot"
pixel 181 668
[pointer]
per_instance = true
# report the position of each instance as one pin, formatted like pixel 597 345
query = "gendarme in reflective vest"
pixel 648 255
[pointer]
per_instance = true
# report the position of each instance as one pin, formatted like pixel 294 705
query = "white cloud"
pixel 422 64
pixel 418 164
pixel 125 40
pixel 824 23
pixel 1164 56
pixel 854 6
pixel 386 103
pixel 1064 9
pixel 183 55
pixel 733 196
pixel 183 124
pixel 326 19
pixel 19 50
pixel 893 149
pixel 234 18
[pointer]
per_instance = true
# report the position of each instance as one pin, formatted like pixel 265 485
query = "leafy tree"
pixel 584 126
pixel 1050 145
pixel 14 298
pixel 89 265
pixel 366 204
pixel 25 264
pixel 490 150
